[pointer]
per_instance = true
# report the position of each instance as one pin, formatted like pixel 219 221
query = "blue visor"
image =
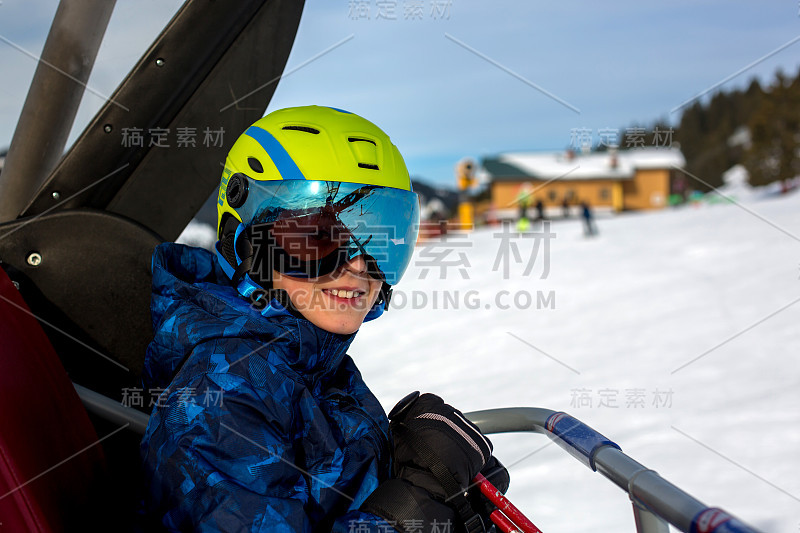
pixel 308 229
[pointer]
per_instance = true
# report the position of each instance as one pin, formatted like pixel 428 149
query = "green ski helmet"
pixel 306 189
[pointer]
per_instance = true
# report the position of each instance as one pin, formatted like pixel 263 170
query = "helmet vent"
pixel 357 139
pixel 364 151
pixel 255 164
pixel 307 129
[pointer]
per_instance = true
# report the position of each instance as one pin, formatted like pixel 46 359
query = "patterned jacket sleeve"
pixel 216 461
pixel 217 457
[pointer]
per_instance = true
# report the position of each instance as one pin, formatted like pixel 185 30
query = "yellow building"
pixel 633 179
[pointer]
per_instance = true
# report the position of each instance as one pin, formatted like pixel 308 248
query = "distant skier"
pixel 589 227
pixel 523 223
pixel 523 201
pixel 539 210
pixel 565 208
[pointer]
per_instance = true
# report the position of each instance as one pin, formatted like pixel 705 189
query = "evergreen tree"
pixel 755 127
pixel 704 135
pixel 775 134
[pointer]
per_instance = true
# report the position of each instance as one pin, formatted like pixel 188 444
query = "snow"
pixel 434 206
pixel 736 188
pixel 692 311
pixel 736 176
pixel 198 234
pixel 594 165
pixel 652 157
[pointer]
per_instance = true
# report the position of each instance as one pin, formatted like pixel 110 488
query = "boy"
pixel 264 423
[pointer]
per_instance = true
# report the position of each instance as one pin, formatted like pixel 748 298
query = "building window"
pixel 605 193
pixel 551 194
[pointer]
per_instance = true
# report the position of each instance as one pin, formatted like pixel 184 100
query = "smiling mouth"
pixel 344 294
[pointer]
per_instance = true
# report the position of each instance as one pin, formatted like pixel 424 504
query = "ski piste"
pixel 74 305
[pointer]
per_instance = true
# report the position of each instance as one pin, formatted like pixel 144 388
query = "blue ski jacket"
pixel 264 424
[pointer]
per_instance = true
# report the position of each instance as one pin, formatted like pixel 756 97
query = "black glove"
pixel 437 453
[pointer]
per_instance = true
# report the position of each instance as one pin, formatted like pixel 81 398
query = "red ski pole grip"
pixel 507 508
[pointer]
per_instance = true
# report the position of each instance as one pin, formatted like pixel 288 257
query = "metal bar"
pixel 107 409
pixel 511 419
pixel 192 78
pixel 649 489
pixel 53 99
pixel 647 522
pixel 655 499
pixel 645 487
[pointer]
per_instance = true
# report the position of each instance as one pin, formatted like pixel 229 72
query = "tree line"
pixel 758 127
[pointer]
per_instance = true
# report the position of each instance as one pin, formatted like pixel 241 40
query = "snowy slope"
pixel 633 308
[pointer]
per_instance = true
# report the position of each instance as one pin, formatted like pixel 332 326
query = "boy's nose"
pixel 356 265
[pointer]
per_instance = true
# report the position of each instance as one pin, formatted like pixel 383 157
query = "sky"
pixel 449 79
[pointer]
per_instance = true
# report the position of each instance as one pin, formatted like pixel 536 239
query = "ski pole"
pixel 502 522
pixel 507 517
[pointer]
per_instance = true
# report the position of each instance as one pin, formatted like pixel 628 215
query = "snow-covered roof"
pixel 650 158
pixel 595 165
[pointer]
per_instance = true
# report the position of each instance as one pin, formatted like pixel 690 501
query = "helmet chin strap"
pixel 283 298
pixel 384 296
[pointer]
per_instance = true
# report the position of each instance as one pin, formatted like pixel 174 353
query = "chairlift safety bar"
pixel 656 501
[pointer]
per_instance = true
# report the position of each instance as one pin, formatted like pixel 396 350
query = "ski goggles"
pixel 308 229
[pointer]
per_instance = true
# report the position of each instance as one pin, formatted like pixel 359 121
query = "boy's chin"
pixel 342 331
pixel 337 324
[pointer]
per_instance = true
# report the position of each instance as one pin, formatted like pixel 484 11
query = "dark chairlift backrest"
pixel 81 247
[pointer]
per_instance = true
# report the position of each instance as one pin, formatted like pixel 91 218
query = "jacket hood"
pixel 193 302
